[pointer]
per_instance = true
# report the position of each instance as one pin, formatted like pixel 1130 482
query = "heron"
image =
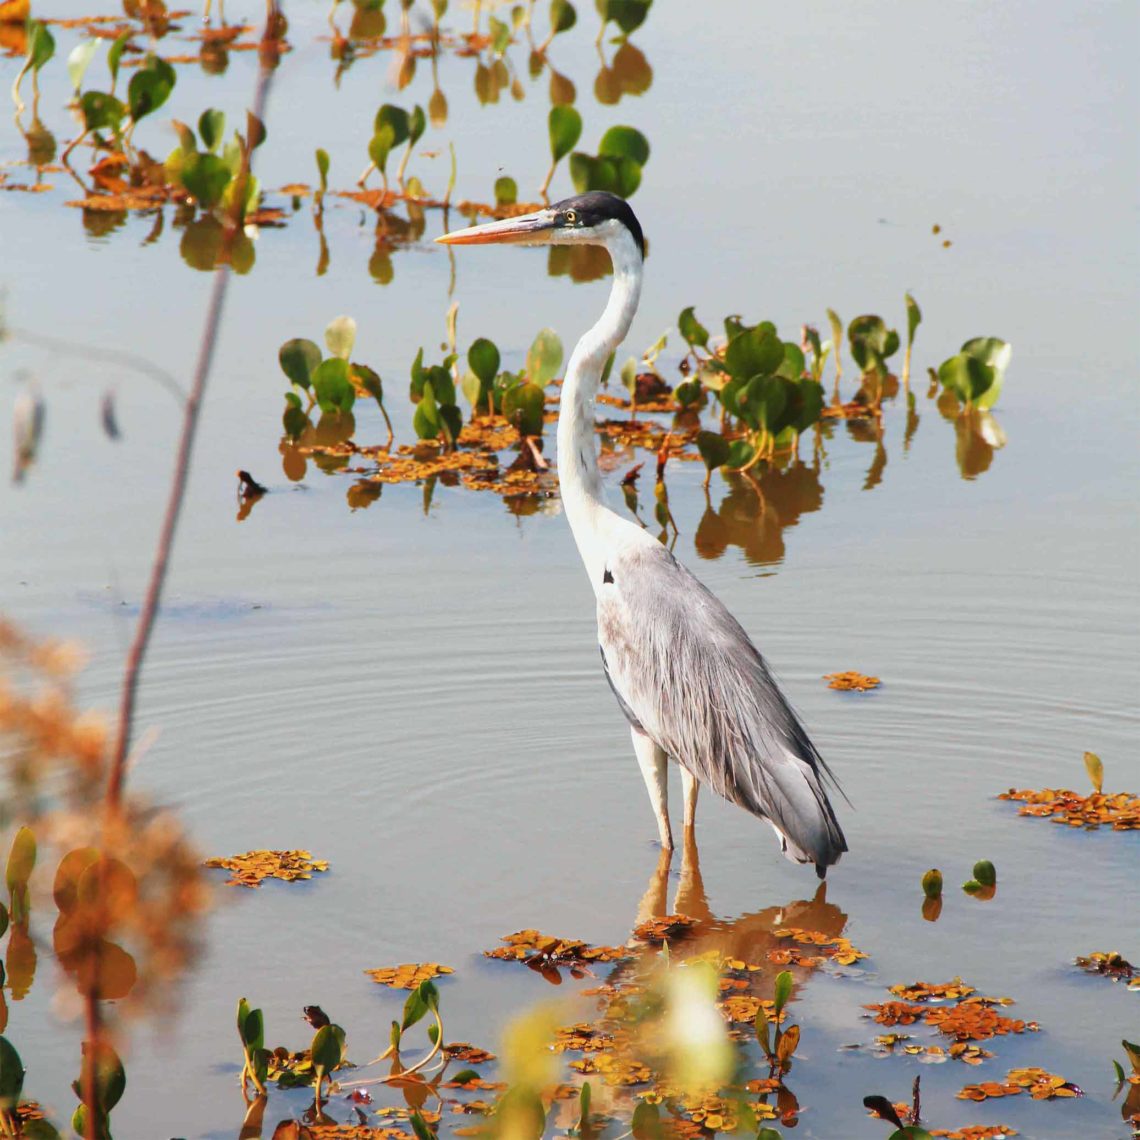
pixel 686 675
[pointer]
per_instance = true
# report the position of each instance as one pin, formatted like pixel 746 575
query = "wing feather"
pixel 686 673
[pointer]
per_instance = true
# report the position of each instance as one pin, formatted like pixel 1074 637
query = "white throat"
pixel 579 481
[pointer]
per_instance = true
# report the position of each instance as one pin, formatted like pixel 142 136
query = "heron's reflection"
pixel 748 937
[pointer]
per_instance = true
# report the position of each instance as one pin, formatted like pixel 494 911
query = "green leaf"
pixel 255 130
pixel 101 111
pixel 691 329
pixel 584 1105
pixel 11 1074
pixel 544 358
pixel 79 60
pixel 805 405
pixel 298 358
pixel 294 420
pixel 395 118
pixel 21 860
pixel 628 375
pixel 1133 1052
pixel 754 352
pixel 150 87
pixel 910 1132
pixel 420 1128
pixel 966 376
pixel 506 191
pixel 465 1076
pixel 110 1077
pixel 562 16
pixel 323 167
pixel 332 386
pixel 500 35
pixel 1118 1072
pixel 1093 767
pixel 768 1134
pixel 340 336
pixel 996 354
pixel 115 54
pixel 783 989
pixel 253 1030
pixel 369 380
pixel 793 365
pixel 327 1048
pixel 972 887
pixel 417 124
pixel 483 358
pixel 565 126
pixel 212 128
pixel 985 874
pixel 763 1031
pixel 427 424
pixel 629 15
pixel 381 146
pixel 740 452
pixel 205 177
pixel 688 392
pixel 913 319
pixel 475 391
pixel 41 44
pixel 714 449
pixel 932 883
pixel 625 142
pixel 524 405
pixel 646 1122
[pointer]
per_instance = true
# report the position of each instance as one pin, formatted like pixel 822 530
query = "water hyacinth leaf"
pixel 79 60
pixel 427 423
pixel 966 376
pixel 205 177
pixel 395 119
pixel 500 35
pixel 607 368
pixel 323 167
pixel 768 1134
pixel 430 994
pixel 754 352
pixel 101 111
pixel 996 354
pixel 332 386
pixel 475 391
pixel 11 1074
pixel 483 359
pixel 368 379
pixel 212 128
pixel 562 16
pixel 783 989
pixel 255 131
pixel 150 87
pixel 417 124
pixel 628 375
pixel 1095 769
pixel 646 1122
pixel 740 453
pixel 629 15
pixel 327 1048
pixel 294 421
pixel 565 127
pixel 381 146
pixel 41 44
pixel 625 142
pixel 714 449
pixel 544 358
pixel 506 191
pixel 298 359
pixel 21 861
pixel 420 1128
pixel 687 393
pixel 913 319
pixel 984 873
pixel 524 405
pixel 932 883
pixel 340 336
pixel 465 1077
pixel 793 366
pixel 415 1007
pixel 115 55
pixel 805 405
pixel 691 329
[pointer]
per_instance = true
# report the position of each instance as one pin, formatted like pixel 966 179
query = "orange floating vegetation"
pixel 1040 1085
pixel 851 682
pixel 1120 811
pixel 254 867
pixel 409 975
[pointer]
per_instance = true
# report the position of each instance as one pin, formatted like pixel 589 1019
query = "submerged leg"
pixel 655 771
pixel 690 786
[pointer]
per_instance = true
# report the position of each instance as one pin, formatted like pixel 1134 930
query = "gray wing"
pixel 688 676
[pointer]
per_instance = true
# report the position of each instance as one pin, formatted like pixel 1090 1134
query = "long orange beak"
pixel 528 229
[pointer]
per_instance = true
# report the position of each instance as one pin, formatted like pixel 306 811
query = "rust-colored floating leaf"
pixel 975 1132
pixel 851 682
pixel 975 1022
pixel 467 1053
pixel 953 990
pixel 1110 964
pixel 1120 811
pixel 535 949
pixel 254 867
pixel 409 975
pixel 667 928
pixel 826 947
pixel 1040 1085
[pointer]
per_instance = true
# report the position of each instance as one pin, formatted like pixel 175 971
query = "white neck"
pixel 580 484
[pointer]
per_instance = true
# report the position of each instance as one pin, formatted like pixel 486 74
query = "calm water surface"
pixel 413 692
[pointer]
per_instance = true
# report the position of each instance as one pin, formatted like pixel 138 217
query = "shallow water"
pixel 414 694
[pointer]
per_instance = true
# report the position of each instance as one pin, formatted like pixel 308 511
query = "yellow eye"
pixel 572 217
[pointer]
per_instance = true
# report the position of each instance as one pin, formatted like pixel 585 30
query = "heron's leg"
pixel 655 770
pixel 690 786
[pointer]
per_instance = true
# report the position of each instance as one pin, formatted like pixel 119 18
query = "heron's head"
pixel 596 218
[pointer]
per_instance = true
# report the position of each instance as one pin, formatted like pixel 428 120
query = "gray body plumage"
pixel 687 675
